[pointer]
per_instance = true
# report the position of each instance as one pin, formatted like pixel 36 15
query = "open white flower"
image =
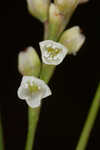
pixel 33 90
pixel 53 53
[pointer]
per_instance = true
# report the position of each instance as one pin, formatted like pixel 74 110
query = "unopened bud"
pixel 28 62
pixel 66 6
pixel 56 20
pixel 83 1
pixel 39 8
pixel 73 39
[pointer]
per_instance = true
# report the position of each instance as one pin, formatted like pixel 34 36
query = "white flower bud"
pixel 73 39
pixel 66 6
pixel 29 62
pixel 56 21
pixel 39 8
pixel 83 1
pixel 33 90
pixel 53 53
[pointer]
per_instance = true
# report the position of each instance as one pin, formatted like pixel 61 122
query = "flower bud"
pixel 66 6
pixel 39 8
pixel 73 39
pixel 29 63
pixel 56 20
pixel 83 1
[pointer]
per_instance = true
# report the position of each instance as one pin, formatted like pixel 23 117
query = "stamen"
pixel 33 87
pixel 53 51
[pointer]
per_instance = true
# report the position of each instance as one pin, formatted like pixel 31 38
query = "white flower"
pixel 33 90
pixel 53 53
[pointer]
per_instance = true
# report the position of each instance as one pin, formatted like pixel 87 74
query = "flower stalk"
pixel 89 121
pixel 33 116
pixel 47 72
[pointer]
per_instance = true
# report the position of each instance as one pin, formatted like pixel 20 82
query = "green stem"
pixel 1 137
pixel 47 72
pixel 89 121
pixel 33 116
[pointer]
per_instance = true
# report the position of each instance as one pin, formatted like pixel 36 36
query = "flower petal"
pixel 45 90
pixel 23 93
pixel 34 100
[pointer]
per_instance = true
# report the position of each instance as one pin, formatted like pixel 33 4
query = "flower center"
pixel 33 88
pixel 52 52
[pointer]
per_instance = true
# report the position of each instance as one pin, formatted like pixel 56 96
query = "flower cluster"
pixel 33 89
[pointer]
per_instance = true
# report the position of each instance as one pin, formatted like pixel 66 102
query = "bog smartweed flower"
pixel 53 53
pixel 33 90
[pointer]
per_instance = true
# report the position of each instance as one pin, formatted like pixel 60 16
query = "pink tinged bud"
pixel 83 1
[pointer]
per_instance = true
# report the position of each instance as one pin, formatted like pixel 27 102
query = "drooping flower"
pixel 53 53
pixel 33 90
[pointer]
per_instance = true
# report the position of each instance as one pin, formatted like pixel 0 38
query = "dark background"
pixel 73 84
